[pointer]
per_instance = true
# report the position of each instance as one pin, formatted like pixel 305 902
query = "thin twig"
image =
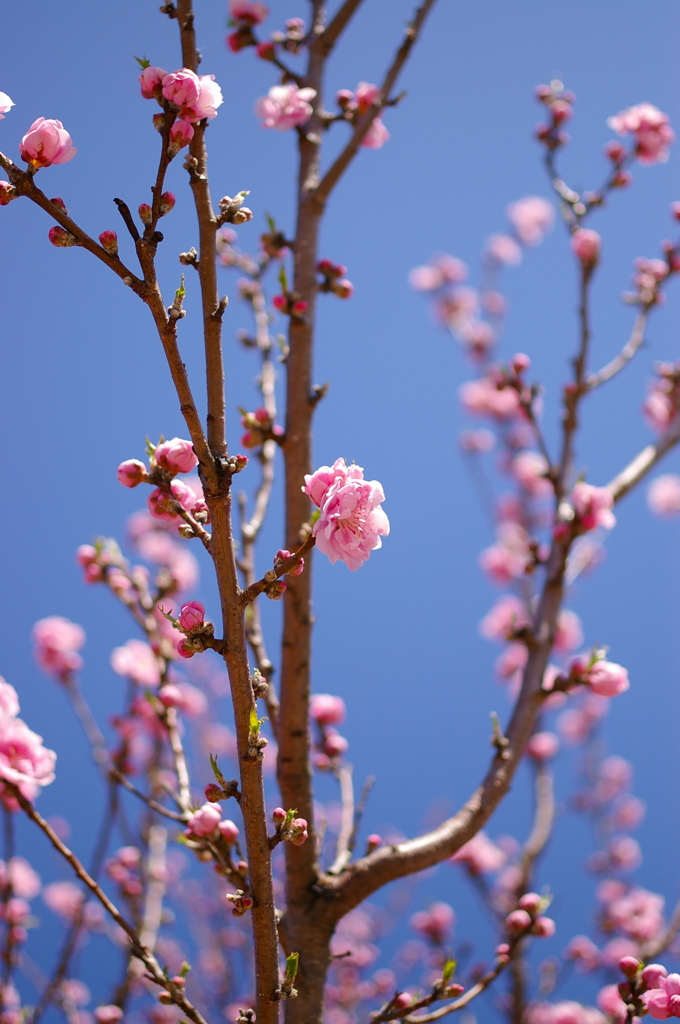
pixel 644 462
pixel 636 339
pixel 329 37
pixel 119 777
pixel 343 852
pixel 284 567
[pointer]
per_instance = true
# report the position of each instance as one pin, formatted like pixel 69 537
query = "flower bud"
pixel 109 241
pixel 615 151
pixel 61 237
pixel 280 302
pixel 373 842
pixel 228 830
pixel 629 966
pixel 531 902
pixel 131 473
pixel 544 927
pixel 167 203
pixel 278 816
pixel 585 244
pixel 7 192
pixel 344 289
pixel 59 203
pixel 145 214
pixel 241 462
pixel 192 615
pixel 652 974
pixel 518 921
pixel 266 51
pixel 184 650
pixel 213 793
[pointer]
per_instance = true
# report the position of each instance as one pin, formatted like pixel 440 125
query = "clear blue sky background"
pixel 84 381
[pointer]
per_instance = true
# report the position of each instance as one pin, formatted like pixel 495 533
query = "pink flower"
pixel 503 250
pixel 64 898
pixel 181 87
pixel 663 495
pixel 108 1014
pixel 480 855
pixel 228 830
pixel 664 1000
pixel 376 136
pixel 131 473
pixel 583 952
pixel 638 914
pixel 250 12
pixel 136 661
pixel 531 217
pixel 6 104
pixel 205 820
pixel 518 921
pixel 46 142
pixel 23 758
pixel 181 135
pixel 435 923
pixel 284 107
pixel 57 642
pixel 151 81
pixel 25 881
pixel 160 503
pixel 442 269
pixel 611 1003
pixel 593 506
pixel 652 974
pixel 176 456
pixel 298 828
pixel 529 469
pixel 569 634
pixel 352 522
pixel 320 482
pixel 623 854
pixel 209 99
pixel 283 555
pixel 507 615
pixel 543 745
pixel 327 710
pixel 192 615
pixel 585 245
pixel 482 398
pixel 651 128
pixel 605 678
pixel 509 557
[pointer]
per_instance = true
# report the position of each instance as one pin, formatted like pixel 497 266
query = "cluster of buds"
pixel 282 555
pixel 663 401
pixel 558 102
pixel 198 634
pixel 648 277
pixel 7 193
pixel 206 822
pixel 291 39
pixel 256 743
pixel 259 427
pixel 291 304
pixel 328 711
pixel 259 684
pixel 527 919
pixel 649 989
pixel 167 204
pixel 166 461
pixel 232 210
pixel 289 828
pixel 179 981
pixel 333 279
pixel 240 902
pixel 274 242
pixel 244 15
pixel 124 869
pixel 619 155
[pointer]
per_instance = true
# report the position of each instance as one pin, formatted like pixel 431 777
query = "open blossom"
pixel 663 999
pixel 529 469
pixel 638 914
pixel 507 615
pixel 663 495
pixel 151 82
pixel 651 128
pixel 46 142
pixel 6 104
pixel 196 96
pixel 531 217
pixel 137 662
pixel 160 502
pixel 57 642
pixel 482 398
pixel 593 506
pixel 481 856
pixel 326 709
pixel 611 1003
pixel 248 12
pixel 23 758
pixel 285 106
pixel 352 522
pixel 25 881
pixel 176 456
pixel 509 557
pixel 435 923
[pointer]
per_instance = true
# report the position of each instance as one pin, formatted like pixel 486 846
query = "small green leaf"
pixel 315 516
pixel 181 291
pixel 271 223
pixel 216 771
pixel 283 279
pixel 184 969
pixel 143 62
pixel 292 966
pixel 449 970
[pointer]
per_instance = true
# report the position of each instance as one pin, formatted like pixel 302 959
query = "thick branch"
pixel 642 463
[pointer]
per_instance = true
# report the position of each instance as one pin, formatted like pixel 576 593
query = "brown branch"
pixel 119 777
pixel 636 339
pixel 179 759
pixel 138 949
pixel 327 39
pixel 363 126
pixel 100 752
pixel 282 568
pixel 343 849
pixel 644 462
pixel 544 815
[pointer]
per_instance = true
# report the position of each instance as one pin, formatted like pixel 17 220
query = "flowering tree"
pixel 292 893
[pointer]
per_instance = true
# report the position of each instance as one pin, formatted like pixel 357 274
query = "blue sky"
pixel 84 381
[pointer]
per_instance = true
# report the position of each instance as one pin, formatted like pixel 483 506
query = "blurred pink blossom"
pixel 285 106
pixel 137 662
pixel 531 217
pixel 663 495
pixel 651 128
pixel 57 641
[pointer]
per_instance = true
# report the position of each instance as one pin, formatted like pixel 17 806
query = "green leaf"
pixel 143 62
pixel 283 278
pixel 449 970
pixel 216 771
pixel 271 223
pixel 316 515
pixel 181 291
pixel 292 966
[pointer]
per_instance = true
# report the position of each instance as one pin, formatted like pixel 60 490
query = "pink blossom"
pixel 476 441
pixel 507 615
pixel 6 104
pixel 504 250
pixel 64 898
pixel 512 662
pixel 611 1003
pixel 192 701
pixel 482 398
pixel 181 87
pixel 628 812
pixel 326 709
pixel 192 615
pixel 623 854
pixel 300 835
pixel 575 724
pixel 659 408
pixel 583 952
pixel 209 99
pixel 366 95
pixel 352 522
pixel 651 128
pixel 285 106
pixel 585 245
pixel 137 662
pixel 57 642
pixel 180 136
pixel 442 269
pixel 518 921
pixel 335 745
pixel 593 506
pixel 108 1014
pixel 250 12
pixel 652 975
pixel 529 469
pixel 46 142
pixel 23 758
pixel 9 702
pixel 25 881
pixel 435 923
pixel 160 502
pixel 543 745
pixel 376 136
pixel 131 473
pixel 176 456
pixel 150 81
pixel 605 678
pixel 509 557
pixel 569 634
pixel 205 820
pixel 531 217
pixel 663 1001
pixel 228 830
pixel 544 927
pixel 638 914
pixel 480 855
pixel 663 495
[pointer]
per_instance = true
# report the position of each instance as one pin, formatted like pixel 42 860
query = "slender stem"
pixel 636 470
pixel 179 757
pixel 87 720
pixel 119 777
pixel 7 893
pixel 327 39
pixel 544 816
pixel 636 339
pixel 343 851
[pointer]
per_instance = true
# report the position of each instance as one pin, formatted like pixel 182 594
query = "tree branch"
pixel 642 463
pixel 636 339
pixel 329 37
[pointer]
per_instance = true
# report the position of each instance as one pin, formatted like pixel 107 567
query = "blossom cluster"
pixel 190 97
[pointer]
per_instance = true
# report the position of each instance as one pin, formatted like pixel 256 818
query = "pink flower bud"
pixel 213 793
pixel 675 211
pixel 145 214
pixel 530 902
pixel 344 289
pixel 192 615
pixel 542 746
pixel 85 555
pixel 615 151
pixel 228 830
pixel 622 179
pixel 652 975
pixel 300 306
pixel 181 135
pixel 629 965
pixel 297 570
pixel 266 51
pixel 61 237
pixel 131 473
pixel 373 842
pixel 248 12
pixel 278 815
pixel 520 362
pixel 168 201
pixel 335 744
pixel 184 650
pixel 7 193
pixel 402 1000
pixel 518 921
pixel 176 456
pixel 150 82
pixel 280 302
pixel 108 1014
pixel 93 573
pixel 326 709
pixel 109 241
pixel 46 142
pixel 170 695
pixel 585 244
pixel 544 927
pixel 205 820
